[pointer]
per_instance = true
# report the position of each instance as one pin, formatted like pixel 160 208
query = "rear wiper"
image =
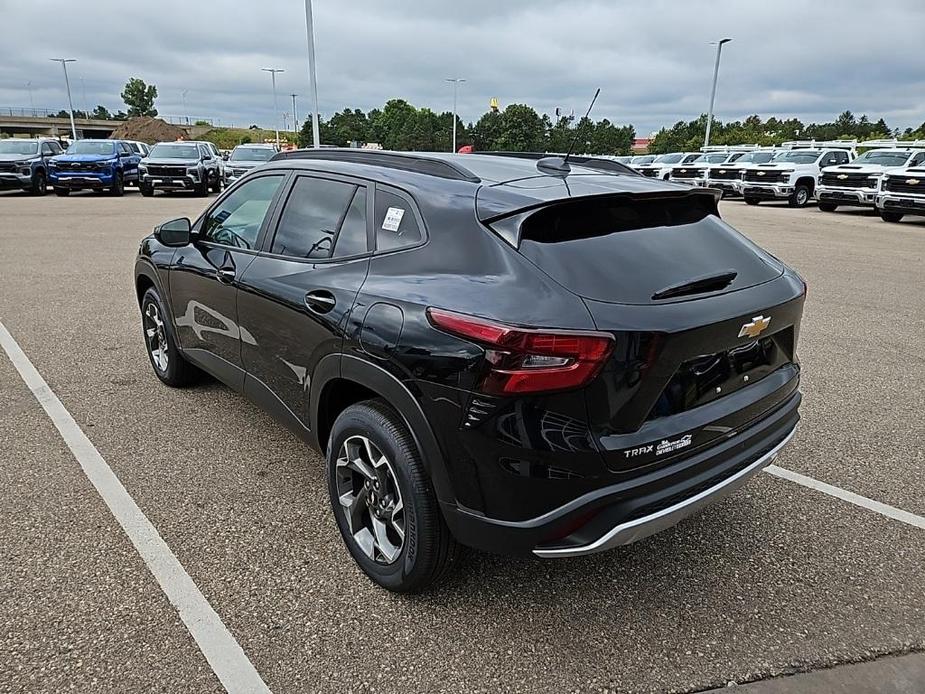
pixel 697 285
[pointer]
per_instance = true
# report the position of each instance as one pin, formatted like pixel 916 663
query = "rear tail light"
pixel 529 361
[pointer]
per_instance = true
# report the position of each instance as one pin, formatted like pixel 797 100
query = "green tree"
pixel 487 132
pixel 521 130
pixel 139 97
pixel 348 126
pixel 101 113
pixel 388 127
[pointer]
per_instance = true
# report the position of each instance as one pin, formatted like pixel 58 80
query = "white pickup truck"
pixel 727 176
pixel 794 174
pixel 857 184
pixel 902 192
pixel 660 166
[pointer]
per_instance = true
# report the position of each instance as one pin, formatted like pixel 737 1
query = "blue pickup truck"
pixel 96 165
pixel 24 163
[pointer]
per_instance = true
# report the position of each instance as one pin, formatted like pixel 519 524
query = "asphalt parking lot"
pixel 779 578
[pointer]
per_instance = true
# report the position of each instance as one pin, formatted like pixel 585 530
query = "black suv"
pixel 513 353
pixel 180 166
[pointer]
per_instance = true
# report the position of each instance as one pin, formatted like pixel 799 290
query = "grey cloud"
pixel 652 58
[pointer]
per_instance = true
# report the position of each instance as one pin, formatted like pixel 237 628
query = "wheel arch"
pixel 808 181
pixel 334 389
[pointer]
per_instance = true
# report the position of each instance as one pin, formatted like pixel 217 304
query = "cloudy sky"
pixel 651 58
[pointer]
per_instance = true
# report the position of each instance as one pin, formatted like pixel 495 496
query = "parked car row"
pixel 889 176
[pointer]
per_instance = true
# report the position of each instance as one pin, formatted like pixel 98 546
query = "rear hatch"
pixel 705 321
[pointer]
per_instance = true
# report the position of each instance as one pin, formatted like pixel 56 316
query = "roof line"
pixel 404 161
pixel 585 161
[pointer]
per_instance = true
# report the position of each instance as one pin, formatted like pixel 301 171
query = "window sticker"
pixel 393 219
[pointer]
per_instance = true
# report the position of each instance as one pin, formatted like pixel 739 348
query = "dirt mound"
pixel 148 129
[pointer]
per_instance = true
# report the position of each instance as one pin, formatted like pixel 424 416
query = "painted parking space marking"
pixel 852 498
pixel 223 653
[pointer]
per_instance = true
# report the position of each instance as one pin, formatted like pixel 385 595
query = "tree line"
pixel 688 136
pixel 399 125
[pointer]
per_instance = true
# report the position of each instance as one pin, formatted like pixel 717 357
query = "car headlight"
pixel 142 168
pixel 52 164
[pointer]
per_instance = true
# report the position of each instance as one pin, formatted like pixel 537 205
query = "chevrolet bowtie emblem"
pixel 722 170
pixel 683 170
pixel 842 177
pixel 912 181
pixel 761 173
pixel 756 327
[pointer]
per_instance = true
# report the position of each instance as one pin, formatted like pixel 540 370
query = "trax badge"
pixel 756 327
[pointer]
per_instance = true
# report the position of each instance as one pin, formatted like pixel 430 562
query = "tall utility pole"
pixel 295 114
pixel 183 97
pixel 273 71
pixel 310 31
pixel 67 83
pixel 719 50
pixel 31 100
pixel 455 81
pixel 83 89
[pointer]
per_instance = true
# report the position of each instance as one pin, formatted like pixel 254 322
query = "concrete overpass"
pixel 34 126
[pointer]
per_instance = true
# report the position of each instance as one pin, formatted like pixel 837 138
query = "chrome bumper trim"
pixel 639 528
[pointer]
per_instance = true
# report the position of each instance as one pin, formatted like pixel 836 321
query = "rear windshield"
pixel 629 250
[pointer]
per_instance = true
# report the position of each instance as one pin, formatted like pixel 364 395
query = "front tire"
pixel 202 188
pixel 888 216
pixel 168 363
pixel 383 501
pixel 800 196
pixel 147 190
pixel 827 206
pixel 751 200
pixel 62 192
pixel 217 186
pixel 118 185
pixel 39 183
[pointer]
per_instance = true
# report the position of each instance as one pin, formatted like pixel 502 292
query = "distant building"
pixel 641 145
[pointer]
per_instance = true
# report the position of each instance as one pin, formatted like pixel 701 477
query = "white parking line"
pixel 224 654
pixel 850 497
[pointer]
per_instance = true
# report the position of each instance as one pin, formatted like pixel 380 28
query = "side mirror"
pixel 176 232
pixel 225 156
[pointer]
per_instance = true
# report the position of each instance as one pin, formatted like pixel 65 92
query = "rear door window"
pixel 396 224
pixel 322 219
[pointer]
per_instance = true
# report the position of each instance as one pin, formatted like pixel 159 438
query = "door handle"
pixel 225 275
pixel 320 301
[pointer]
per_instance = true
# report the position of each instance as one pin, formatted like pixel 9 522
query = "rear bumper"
pixel 904 203
pixel 859 197
pixel 634 508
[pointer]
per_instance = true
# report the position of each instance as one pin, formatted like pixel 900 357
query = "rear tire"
pixel 39 183
pixel 751 201
pixel 827 206
pixel 62 192
pixel 800 196
pixel 378 486
pixel 888 216
pixel 168 363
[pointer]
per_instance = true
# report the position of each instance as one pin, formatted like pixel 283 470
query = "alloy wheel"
pixel 370 499
pixel 156 336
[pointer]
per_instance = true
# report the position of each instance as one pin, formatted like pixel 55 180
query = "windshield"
pixel 648 159
pixel 18 147
pixel 174 152
pixel 881 158
pixel 252 154
pixel 756 157
pixel 668 158
pixel 90 147
pixel 798 156
pixel 717 158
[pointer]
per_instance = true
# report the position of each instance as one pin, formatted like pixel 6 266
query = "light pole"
pixel 83 89
pixel 273 72
pixel 183 97
pixel 719 50
pixel 295 114
pixel 455 81
pixel 64 62
pixel 31 100
pixel 310 32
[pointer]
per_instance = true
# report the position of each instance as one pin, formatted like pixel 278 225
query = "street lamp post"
pixel 183 97
pixel 455 81
pixel 31 100
pixel 295 114
pixel 310 32
pixel 67 84
pixel 273 72
pixel 719 50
